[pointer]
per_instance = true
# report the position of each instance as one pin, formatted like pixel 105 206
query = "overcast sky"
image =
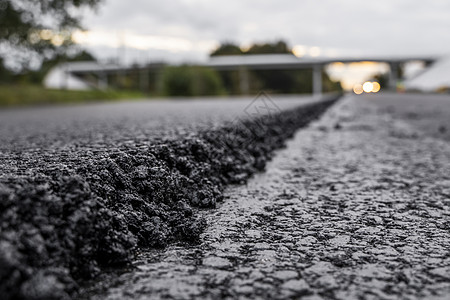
pixel 190 29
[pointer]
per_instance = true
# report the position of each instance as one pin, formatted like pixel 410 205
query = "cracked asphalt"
pixel 356 207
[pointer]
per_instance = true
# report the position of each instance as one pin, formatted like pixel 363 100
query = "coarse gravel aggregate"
pixel 356 207
pixel 84 189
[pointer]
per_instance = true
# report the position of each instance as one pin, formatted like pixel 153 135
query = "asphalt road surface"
pixel 84 188
pixel 110 125
pixel 429 113
pixel 356 207
pixel 61 134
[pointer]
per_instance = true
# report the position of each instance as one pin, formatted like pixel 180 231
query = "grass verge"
pixel 33 95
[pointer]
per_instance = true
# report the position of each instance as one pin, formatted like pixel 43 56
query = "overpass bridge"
pixel 65 75
pixel 242 63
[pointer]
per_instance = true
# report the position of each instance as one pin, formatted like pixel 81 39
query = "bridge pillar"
pixel 244 83
pixel 102 80
pixel 317 81
pixel 393 75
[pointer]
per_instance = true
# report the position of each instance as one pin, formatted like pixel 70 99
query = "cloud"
pixel 384 27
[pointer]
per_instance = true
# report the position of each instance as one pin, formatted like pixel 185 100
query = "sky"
pixel 188 30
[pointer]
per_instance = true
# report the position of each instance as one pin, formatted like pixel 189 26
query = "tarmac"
pixel 84 189
pixel 356 207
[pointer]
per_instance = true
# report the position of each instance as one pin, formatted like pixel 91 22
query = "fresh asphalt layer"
pixel 356 207
pixel 111 125
pixel 84 188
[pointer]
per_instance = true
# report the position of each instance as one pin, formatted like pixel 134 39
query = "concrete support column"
pixel 102 80
pixel 244 82
pixel 317 81
pixel 393 75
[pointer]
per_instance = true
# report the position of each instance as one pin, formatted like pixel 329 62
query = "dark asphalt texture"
pixel 429 113
pixel 85 187
pixel 110 125
pixel 357 206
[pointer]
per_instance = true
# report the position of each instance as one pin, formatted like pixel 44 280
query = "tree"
pixel 227 48
pixel 188 80
pixel 34 29
pixel 279 47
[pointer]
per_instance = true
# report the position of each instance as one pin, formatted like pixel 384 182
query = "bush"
pixel 191 81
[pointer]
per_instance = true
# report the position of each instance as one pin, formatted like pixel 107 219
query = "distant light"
pixel 314 51
pixel 34 38
pixel 376 87
pixel 367 86
pixel 299 50
pixel 243 47
pixel 79 37
pixel 339 65
pixel 46 34
pixel 358 89
pixel 57 40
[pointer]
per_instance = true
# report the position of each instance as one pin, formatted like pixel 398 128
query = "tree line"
pixel 38 33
